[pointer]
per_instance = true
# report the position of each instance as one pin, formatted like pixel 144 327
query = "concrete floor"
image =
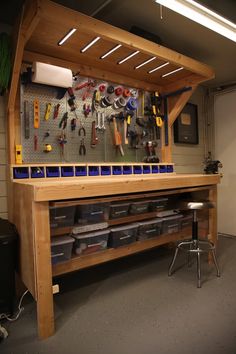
pixel 131 306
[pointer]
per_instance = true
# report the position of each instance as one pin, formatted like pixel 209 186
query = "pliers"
pixel 82 148
pixel 82 129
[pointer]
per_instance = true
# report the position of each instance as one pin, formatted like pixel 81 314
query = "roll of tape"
pixel 102 88
pixel 121 102
pixel 110 89
pixel 118 91
pixel 132 104
pixel 126 93
pixel 106 101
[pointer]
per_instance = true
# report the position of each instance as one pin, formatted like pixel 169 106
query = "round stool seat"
pixel 191 205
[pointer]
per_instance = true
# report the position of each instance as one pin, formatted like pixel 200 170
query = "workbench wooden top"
pixel 83 187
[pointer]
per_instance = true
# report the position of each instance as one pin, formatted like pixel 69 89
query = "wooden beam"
pixel 190 80
pixel 90 71
pixel 178 105
pixel 29 18
pixel 83 187
pixel 43 269
pixel 51 10
pixel 166 151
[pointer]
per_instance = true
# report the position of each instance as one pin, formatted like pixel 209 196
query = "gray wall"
pixel 189 158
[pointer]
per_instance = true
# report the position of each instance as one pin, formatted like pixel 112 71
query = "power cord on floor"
pixel 3 331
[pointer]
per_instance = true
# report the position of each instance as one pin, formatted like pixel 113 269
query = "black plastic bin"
pixel 8 253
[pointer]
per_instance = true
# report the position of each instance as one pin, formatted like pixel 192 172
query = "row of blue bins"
pixel 72 171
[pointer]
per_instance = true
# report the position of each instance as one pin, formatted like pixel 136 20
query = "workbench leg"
pixel 213 215
pixel 213 219
pixel 44 292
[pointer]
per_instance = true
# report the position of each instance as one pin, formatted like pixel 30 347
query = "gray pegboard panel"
pixel 104 151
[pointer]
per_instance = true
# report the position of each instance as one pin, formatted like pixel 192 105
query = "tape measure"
pixel 19 154
pixel 47 148
pixel 132 104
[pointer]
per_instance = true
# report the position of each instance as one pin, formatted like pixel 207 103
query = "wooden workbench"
pixel 31 216
pixel 41 24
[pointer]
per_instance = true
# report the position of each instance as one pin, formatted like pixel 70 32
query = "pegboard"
pixel 105 150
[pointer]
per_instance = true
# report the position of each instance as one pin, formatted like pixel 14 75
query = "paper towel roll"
pixel 51 75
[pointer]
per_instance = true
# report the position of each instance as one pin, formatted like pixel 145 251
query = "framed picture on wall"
pixel 186 125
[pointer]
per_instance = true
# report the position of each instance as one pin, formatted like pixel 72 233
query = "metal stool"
pixel 195 245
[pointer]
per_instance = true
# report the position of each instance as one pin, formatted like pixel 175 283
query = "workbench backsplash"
pixel 42 144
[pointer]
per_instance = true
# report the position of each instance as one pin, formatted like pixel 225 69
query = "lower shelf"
pixel 80 262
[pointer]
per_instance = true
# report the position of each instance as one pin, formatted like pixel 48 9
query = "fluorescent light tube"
pixel 128 57
pixel 68 35
pixel 110 51
pixel 144 63
pixel 90 44
pixel 158 67
pixel 202 15
pixel 172 72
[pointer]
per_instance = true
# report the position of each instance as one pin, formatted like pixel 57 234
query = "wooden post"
pixel 213 215
pixel 43 270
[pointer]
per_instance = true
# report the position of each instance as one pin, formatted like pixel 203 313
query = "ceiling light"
pixel 68 35
pixel 202 15
pixel 90 44
pixel 172 72
pixel 158 67
pixel 110 51
pixel 144 63
pixel 128 57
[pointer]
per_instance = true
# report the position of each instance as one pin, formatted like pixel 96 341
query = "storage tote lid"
pixel 91 234
pixel 174 217
pixel 119 205
pixel 125 227
pixel 140 202
pixel 61 240
pixel 159 200
pixel 150 222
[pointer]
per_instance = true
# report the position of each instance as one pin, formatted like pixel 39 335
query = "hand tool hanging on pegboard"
pixel 86 109
pixel 56 111
pixel 73 124
pixel 117 137
pixel 47 111
pixel 62 141
pixel 26 120
pixel 35 142
pixel 82 148
pixel 63 122
pixel 71 101
pixel 156 104
pixel 95 101
pixel 94 138
pixel 81 131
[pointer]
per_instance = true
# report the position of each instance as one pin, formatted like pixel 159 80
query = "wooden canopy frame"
pixel 43 23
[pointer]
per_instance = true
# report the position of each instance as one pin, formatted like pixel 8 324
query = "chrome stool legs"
pixel 197 247
pixel 194 247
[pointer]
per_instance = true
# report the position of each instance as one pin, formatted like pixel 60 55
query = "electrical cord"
pixel 20 310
